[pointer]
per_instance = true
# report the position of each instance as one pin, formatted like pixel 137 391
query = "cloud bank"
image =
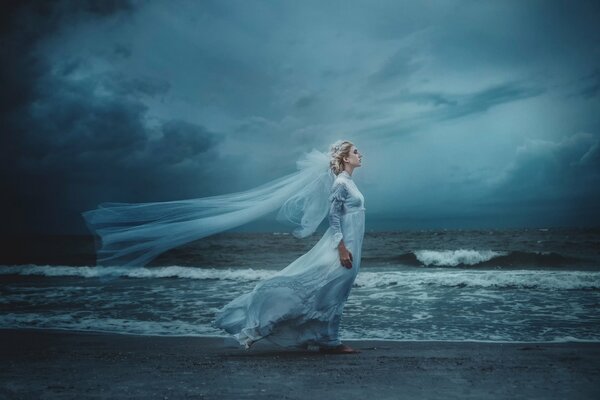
pixel 468 114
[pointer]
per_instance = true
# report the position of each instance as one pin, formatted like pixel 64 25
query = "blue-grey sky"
pixel 469 114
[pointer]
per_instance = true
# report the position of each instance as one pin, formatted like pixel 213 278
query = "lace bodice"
pixel 345 198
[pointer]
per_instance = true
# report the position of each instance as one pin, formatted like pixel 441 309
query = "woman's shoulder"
pixel 340 180
pixel 339 187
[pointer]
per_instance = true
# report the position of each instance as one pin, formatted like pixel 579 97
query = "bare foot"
pixel 341 349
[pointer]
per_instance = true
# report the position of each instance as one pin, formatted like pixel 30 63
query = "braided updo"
pixel 338 151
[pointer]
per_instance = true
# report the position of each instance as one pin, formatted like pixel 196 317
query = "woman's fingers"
pixel 346 259
pixel 346 262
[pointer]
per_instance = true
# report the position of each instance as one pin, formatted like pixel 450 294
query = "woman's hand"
pixel 345 255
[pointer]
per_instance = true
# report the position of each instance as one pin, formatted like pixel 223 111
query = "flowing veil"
pixel 133 234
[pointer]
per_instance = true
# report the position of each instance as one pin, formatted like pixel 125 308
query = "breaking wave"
pixel 478 258
pixel 527 279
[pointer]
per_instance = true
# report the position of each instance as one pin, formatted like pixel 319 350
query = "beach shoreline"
pixel 46 363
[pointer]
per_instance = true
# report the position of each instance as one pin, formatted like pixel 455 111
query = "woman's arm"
pixel 339 193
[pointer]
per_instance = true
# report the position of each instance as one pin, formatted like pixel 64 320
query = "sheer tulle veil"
pixel 133 234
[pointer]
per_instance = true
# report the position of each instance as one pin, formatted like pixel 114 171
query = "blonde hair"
pixel 338 151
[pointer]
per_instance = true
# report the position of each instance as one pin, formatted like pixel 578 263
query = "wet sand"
pixel 54 364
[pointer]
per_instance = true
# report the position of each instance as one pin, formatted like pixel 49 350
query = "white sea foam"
pixel 119 325
pixel 548 280
pixel 137 272
pixel 387 304
pixel 452 258
pixel 539 279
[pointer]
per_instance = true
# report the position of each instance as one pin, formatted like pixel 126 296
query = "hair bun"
pixel 338 151
pixel 336 146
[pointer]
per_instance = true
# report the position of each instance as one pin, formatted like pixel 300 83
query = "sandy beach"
pixel 54 364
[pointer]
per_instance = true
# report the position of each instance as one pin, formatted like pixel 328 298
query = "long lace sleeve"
pixel 337 197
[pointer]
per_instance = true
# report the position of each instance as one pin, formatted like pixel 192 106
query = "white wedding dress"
pixel 302 304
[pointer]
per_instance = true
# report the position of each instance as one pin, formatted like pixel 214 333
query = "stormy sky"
pixel 469 114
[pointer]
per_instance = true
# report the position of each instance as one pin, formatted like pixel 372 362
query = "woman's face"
pixel 354 158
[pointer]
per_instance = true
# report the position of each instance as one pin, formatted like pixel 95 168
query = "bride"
pixel 300 305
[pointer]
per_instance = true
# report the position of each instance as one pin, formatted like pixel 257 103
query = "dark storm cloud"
pixel 552 167
pixel 73 138
pixel 448 106
pixel 180 141
pixel 445 107
pixel 434 99
pixel 135 86
pixel 591 85
pixel 305 101
pixel 24 25
pixel 560 178
pixel 151 101
pixel 399 65
pixel 63 133
pixel 481 101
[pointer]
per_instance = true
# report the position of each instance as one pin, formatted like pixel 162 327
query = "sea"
pixel 489 285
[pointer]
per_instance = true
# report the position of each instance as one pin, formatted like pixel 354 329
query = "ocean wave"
pixel 452 258
pixel 137 272
pixel 547 280
pixel 527 279
pixel 113 325
pixel 479 258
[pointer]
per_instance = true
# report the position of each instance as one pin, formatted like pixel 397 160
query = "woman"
pixel 302 304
